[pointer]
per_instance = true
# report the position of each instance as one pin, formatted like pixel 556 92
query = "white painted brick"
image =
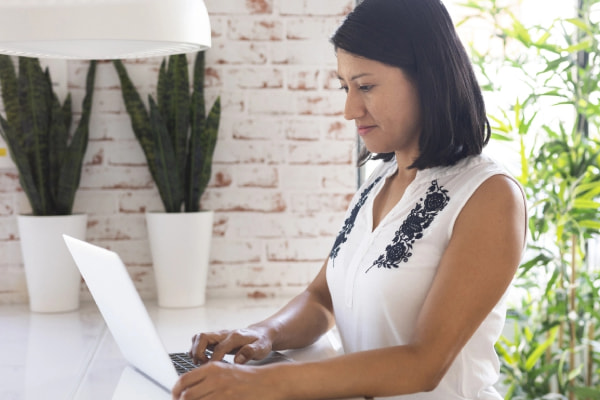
pixel 123 153
pixel 245 28
pixel 233 103
pixel 340 178
pixel 7 205
pixel 139 201
pixel 257 278
pixel 253 53
pixel 110 126
pixel 244 200
pixel 116 177
pixel 257 176
pixel 235 251
pixel 222 176
pixel 246 151
pixel 269 226
pixel 331 80
pixel 340 129
pixel 329 104
pixel 303 79
pixel 96 202
pixel 8 229
pixel 285 250
pixel 317 203
pixel 307 128
pixel 117 227
pixel 133 252
pixel 22 203
pixel 301 177
pixel 338 152
pixel 9 180
pixel 13 287
pixel 255 77
pixel 111 101
pixel 316 7
pixel 94 154
pixel 303 52
pixel 10 252
pixel 263 128
pixel 239 6
pixel 271 102
pixel 311 28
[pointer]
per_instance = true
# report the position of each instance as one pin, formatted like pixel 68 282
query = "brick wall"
pixel 283 170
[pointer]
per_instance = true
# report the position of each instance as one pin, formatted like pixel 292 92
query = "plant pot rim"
pixel 29 215
pixel 178 213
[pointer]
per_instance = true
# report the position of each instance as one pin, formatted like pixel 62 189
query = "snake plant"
pixel 36 130
pixel 177 138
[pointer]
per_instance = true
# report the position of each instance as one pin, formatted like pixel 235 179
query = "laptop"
pixel 127 318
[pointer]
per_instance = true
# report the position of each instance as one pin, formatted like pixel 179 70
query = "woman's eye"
pixel 344 88
pixel 365 88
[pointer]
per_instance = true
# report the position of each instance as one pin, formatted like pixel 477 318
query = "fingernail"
pixel 240 359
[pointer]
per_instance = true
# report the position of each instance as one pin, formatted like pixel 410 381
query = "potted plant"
pixel 553 116
pixel 36 129
pixel 178 140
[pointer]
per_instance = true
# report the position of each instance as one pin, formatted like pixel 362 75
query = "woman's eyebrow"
pixel 355 76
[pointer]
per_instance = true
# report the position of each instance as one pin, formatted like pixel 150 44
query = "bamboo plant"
pixel 177 138
pixel 36 129
pixel 553 116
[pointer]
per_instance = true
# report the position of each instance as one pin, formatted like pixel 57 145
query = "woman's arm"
pixel 298 324
pixel 474 273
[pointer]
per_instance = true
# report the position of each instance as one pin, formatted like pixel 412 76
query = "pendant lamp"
pixel 103 29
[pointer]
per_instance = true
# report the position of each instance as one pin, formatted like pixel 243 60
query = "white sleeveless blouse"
pixel 379 279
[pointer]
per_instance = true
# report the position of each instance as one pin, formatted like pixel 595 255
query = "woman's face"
pixel 383 102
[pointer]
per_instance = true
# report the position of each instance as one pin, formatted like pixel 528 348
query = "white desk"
pixel 73 356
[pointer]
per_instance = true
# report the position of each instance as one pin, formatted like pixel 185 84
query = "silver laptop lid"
pixel 123 310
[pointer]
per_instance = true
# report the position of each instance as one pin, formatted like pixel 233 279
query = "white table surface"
pixel 73 355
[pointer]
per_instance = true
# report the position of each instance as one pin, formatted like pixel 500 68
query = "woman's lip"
pixel 363 130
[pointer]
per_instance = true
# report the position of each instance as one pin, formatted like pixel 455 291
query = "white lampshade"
pixel 103 29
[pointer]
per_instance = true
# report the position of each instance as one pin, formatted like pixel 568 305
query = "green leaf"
pixel 35 106
pixel 586 204
pixel 58 140
pixel 590 224
pixel 72 163
pixel 10 93
pixel 167 179
pixel 138 115
pixel 575 372
pixel 590 393
pixel 195 185
pixel 178 117
pixel 540 350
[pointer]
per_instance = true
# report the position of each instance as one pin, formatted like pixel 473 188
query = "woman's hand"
pixel 247 344
pixel 218 380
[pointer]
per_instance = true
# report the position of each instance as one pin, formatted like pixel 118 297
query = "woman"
pixel 417 277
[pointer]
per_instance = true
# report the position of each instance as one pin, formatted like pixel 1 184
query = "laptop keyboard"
pixel 182 362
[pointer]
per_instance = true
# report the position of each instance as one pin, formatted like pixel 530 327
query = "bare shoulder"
pixel 501 184
pixel 497 205
pixel 499 193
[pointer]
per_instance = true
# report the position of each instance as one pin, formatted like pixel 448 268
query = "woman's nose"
pixel 354 107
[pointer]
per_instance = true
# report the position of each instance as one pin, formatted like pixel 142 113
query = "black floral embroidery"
pixel 349 222
pixel 419 219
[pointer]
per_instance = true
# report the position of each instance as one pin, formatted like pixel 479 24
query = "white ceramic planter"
pixel 53 280
pixel 180 246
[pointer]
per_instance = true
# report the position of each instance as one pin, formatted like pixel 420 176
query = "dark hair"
pixel 419 37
